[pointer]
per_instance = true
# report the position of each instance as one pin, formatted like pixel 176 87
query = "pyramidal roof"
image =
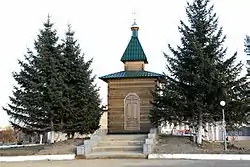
pixel 131 74
pixel 134 50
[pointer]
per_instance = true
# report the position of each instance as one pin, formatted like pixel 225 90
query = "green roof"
pixel 131 74
pixel 134 51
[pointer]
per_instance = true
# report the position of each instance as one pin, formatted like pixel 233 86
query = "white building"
pixel 211 132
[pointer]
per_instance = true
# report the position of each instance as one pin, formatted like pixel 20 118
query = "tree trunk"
pixel 72 135
pixel 61 125
pixel 199 135
pixel 61 138
pixel 32 139
pixel 172 131
pixel 194 135
pixel 41 138
pixel 52 131
pixel 68 135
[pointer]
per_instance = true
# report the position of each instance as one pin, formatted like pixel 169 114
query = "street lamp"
pixel 223 103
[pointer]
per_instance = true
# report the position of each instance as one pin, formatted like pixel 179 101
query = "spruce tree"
pixel 247 51
pixel 36 99
pixel 83 102
pixel 200 76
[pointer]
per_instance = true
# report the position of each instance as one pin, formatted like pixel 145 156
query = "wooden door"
pixel 132 112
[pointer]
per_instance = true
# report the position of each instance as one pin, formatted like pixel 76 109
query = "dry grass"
pixel 64 147
pixel 183 145
pixel 21 151
pixel 175 144
pixel 245 144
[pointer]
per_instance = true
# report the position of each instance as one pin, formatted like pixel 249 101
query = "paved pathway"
pixel 128 163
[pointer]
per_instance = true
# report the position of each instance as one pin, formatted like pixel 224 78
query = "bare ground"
pixel 183 145
pixel 64 147
pixel 165 144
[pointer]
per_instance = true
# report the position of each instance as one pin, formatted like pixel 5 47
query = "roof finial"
pixel 134 18
pixel 134 26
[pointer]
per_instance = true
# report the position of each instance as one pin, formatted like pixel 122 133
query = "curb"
pixel 37 158
pixel 15 146
pixel 201 156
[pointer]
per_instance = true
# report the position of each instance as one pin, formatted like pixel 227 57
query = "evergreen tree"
pixel 56 90
pixel 35 104
pixel 82 98
pixel 247 51
pixel 199 75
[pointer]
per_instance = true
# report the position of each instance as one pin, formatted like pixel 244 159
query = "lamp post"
pixel 223 103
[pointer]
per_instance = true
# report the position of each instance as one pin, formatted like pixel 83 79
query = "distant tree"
pixel 82 99
pixel 247 51
pixel 7 135
pixel 199 76
pixel 36 101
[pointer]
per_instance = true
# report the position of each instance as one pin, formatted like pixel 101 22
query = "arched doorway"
pixel 132 112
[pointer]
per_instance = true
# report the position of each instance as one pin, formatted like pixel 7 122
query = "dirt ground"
pixel 165 144
pixel 65 147
pixel 181 144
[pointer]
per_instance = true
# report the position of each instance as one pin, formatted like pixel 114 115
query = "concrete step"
pixel 116 155
pixel 121 143
pixel 125 137
pixel 116 148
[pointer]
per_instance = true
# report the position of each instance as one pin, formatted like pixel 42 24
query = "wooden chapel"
pixel 129 91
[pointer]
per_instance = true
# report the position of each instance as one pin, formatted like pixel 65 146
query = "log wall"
pixel 134 65
pixel 118 89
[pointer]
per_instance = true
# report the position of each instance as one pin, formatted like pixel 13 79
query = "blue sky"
pixel 103 31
